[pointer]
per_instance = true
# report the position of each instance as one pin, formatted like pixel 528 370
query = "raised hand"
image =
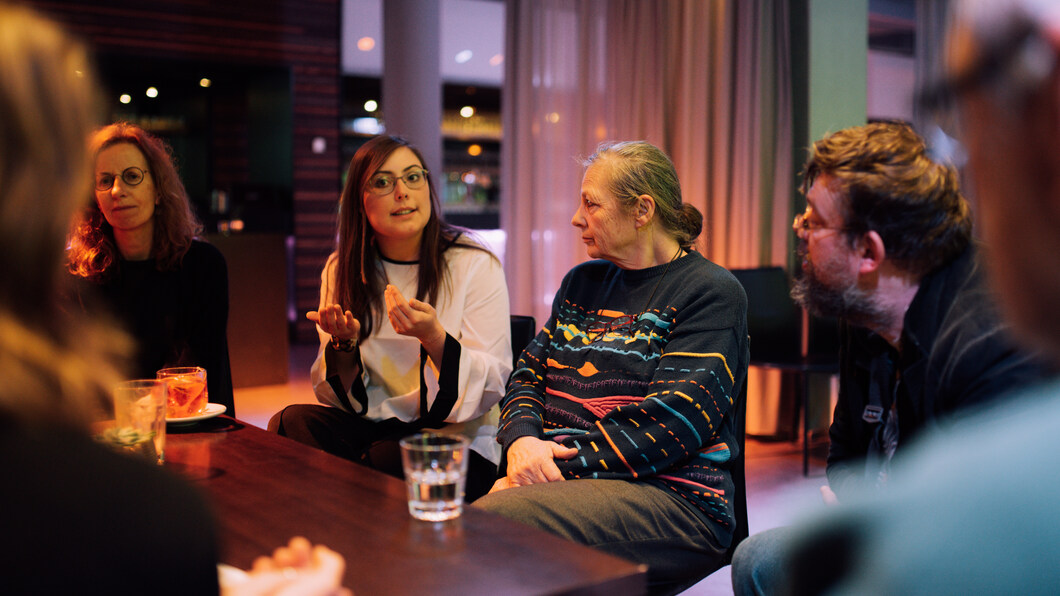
pixel 336 323
pixel 416 319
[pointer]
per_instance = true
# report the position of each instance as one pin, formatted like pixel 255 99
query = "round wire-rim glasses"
pixel 383 184
pixel 130 176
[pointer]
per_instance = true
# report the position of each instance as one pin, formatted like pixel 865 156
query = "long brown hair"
pixel 92 248
pixel 360 279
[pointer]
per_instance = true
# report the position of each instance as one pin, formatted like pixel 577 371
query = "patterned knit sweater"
pixel 646 402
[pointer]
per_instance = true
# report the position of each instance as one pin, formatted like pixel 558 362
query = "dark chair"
pixel 784 337
pixel 739 492
pixel 739 476
pixel 524 328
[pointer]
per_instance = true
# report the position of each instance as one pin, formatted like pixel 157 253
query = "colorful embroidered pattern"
pixel 646 401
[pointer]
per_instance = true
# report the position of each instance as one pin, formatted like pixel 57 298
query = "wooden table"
pixel 266 489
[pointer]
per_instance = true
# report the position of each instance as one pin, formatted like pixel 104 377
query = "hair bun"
pixel 691 223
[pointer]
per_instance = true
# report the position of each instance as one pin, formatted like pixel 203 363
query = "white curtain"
pixel 705 80
pixel 708 81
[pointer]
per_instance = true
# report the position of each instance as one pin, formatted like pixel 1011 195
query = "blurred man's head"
pixel 872 190
pixel 1002 81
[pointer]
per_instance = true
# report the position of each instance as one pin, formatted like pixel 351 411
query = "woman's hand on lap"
pixel 533 461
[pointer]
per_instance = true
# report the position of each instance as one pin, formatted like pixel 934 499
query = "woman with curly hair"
pixel 136 246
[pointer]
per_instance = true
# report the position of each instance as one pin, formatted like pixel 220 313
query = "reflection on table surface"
pixel 266 488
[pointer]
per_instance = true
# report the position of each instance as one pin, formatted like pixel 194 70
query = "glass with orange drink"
pixel 186 390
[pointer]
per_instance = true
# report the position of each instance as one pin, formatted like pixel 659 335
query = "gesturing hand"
pixel 414 318
pixel 532 460
pixel 336 323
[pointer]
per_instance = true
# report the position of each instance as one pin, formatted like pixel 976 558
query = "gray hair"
pixel 639 168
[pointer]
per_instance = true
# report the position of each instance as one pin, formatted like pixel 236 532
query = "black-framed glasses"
pixel 130 176
pixel 383 184
pixel 622 325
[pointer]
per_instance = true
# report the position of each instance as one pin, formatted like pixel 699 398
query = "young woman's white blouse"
pixel 473 308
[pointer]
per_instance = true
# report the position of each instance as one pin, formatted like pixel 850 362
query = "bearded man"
pixel 886 246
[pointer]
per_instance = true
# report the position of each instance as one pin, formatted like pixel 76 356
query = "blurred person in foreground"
pixel 886 246
pixel 76 516
pixel 136 244
pixel 618 425
pixel 974 511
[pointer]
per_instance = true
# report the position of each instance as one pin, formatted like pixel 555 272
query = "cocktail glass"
pixel 187 390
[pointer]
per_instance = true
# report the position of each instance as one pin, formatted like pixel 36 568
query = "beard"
pixel 822 300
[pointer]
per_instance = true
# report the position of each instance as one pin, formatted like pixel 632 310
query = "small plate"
pixel 211 411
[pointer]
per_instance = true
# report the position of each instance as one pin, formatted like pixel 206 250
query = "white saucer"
pixel 211 411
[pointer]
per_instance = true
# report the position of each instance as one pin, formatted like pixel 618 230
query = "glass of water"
pixel 435 473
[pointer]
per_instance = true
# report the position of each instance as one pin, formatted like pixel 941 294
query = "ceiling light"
pixel 463 56
pixel 151 92
pixel 467 111
pixel 365 44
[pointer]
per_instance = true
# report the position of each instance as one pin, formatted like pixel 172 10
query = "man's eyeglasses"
pixel 803 225
pixel 617 326
pixel 131 176
pixel 383 184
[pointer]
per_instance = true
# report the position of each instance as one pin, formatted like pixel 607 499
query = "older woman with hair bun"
pixel 617 425
pixel 136 245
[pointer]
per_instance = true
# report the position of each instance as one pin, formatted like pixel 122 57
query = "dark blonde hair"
pixel 639 168
pixel 92 248
pixel 893 187
pixel 360 279
pixel 55 369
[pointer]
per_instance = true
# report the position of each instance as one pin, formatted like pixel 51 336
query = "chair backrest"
pixel 524 328
pixel 775 322
pixel 739 475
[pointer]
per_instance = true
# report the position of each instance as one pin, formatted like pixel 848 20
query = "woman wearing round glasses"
pixel 617 426
pixel 136 245
pixel 413 323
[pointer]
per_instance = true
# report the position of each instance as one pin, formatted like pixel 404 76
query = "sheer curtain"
pixel 706 81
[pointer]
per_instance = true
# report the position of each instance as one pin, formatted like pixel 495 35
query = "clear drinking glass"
pixel 187 390
pixel 435 474
pixel 140 418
